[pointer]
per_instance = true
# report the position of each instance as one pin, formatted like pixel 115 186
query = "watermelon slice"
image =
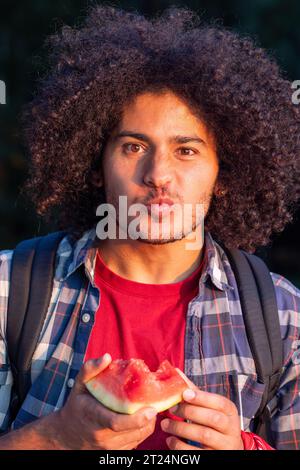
pixel 125 386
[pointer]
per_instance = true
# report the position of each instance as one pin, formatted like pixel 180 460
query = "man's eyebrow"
pixel 178 139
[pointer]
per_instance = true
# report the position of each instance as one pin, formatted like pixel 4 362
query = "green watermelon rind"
pixel 126 406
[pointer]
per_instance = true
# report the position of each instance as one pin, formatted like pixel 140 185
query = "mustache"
pixel 160 195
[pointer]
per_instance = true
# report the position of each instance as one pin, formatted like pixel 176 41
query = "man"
pixel 162 112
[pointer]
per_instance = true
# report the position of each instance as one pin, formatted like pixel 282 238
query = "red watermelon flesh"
pixel 125 386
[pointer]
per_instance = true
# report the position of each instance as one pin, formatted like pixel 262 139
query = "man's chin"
pixel 160 236
pixel 158 241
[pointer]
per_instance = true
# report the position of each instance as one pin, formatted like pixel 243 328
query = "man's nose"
pixel 158 171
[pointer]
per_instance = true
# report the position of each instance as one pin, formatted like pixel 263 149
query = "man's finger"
pixel 89 370
pixel 195 432
pixel 204 416
pixel 131 439
pixel 210 400
pixel 120 422
pixel 207 399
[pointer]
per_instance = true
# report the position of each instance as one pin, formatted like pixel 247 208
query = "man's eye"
pixel 186 151
pixel 134 148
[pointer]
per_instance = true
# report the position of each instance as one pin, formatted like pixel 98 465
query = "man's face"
pixel 160 151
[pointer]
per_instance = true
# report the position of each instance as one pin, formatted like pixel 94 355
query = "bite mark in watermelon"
pixel 126 386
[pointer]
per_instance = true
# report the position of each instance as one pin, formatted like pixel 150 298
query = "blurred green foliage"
pixel 275 24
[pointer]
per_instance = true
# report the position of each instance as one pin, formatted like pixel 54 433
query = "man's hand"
pixel 83 423
pixel 215 422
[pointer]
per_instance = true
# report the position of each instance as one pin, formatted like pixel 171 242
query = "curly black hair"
pixel 230 82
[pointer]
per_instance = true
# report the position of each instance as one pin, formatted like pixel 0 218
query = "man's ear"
pixel 97 178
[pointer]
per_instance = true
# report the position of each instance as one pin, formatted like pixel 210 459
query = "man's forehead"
pixel 161 115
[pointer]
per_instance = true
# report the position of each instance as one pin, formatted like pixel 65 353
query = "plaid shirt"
pixel 217 353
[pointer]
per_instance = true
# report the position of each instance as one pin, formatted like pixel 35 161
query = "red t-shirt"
pixel 145 321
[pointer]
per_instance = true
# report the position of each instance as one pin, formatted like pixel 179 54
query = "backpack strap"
pixel 266 289
pixel 31 280
pixel 260 313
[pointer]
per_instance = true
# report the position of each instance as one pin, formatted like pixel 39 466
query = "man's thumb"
pixel 90 369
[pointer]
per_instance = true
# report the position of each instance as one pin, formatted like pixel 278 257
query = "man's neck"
pixel 150 263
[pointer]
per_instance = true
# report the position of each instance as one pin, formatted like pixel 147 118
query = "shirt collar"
pixel 74 253
pixel 216 266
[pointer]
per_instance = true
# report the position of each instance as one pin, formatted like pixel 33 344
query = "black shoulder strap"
pixel 31 281
pixel 260 312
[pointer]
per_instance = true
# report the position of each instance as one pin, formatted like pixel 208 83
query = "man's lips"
pixel 161 201
pixel 159 206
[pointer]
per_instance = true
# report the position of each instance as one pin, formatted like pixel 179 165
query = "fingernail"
pixel 164 424
pixel 150 414
pixel 102 359
pixel 189 394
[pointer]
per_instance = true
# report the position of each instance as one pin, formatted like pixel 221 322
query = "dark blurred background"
pixel 275 24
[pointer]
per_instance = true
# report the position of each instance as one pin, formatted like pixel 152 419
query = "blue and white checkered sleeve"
pixel 285 423
pixel 6 379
